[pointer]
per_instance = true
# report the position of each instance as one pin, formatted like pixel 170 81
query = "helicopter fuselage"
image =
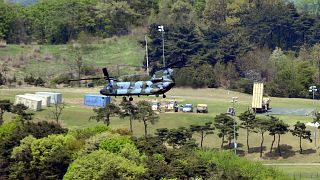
pixel 137 88
pixel 160 83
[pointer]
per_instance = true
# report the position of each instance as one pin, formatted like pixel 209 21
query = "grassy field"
pixel 76 115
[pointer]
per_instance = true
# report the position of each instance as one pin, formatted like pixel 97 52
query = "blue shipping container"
pixel 96 100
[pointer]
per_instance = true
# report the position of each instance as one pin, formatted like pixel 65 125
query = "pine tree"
pixel 301 132
pixel 262 126
pixel 202 130
pixel 104 114
pixel 248 122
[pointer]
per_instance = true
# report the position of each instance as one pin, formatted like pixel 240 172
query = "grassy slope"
pixel 124 50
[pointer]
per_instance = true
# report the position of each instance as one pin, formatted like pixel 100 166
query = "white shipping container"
pixel 44 98
pixel 31 102
pixel 56 98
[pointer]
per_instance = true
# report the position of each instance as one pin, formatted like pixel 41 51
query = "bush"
pixel 61 79
pixel 230 166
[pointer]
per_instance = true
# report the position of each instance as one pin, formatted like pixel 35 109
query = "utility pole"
pixel 160 28
pixel 234 99
pixel 314 89
pixel 145 37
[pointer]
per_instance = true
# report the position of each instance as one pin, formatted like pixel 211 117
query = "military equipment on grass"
pixel 172 105
pixel 160 83
pixel 32 103
pixel 202 108
pixel 155 105
pixel 44 98
pixel 187 108
pixel 56 98
pixel 259 104
pixel 96 100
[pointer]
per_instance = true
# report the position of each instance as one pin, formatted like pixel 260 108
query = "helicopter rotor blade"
pixel 106 74
pixel 82 79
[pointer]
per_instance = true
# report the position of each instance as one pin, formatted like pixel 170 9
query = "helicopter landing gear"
pixel 157 95
pixel 124 98
pixel 164 96
pixel 130 99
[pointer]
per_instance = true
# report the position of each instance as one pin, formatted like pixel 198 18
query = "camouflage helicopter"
pixel 160 83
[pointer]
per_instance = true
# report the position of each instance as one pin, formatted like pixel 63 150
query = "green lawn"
pixel 76 115
pixel 301 172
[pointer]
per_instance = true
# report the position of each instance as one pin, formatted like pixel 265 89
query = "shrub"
pixel 230 166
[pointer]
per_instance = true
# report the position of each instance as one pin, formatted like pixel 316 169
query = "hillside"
pixel 48 61
pixel 228 44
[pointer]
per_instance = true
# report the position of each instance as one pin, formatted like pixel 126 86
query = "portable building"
pixel 44 98
pixel 31 102
pixel 96 100
pixel 56 98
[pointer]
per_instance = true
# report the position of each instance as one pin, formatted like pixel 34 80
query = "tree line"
pixel 228 44
pixel 60 21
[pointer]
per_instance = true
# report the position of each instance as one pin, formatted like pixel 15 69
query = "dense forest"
pixel 228 44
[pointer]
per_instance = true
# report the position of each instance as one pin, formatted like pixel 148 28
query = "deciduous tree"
pixel 103 165
pixel 57 111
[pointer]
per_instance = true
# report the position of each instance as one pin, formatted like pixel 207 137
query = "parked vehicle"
pixel 181 107
pixel 187 108
pixel 172 105
pixel 155 105
pixel 202 108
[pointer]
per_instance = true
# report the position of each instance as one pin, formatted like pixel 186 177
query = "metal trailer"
pixel 96 100
pixel 44 98
pixel 31 102
pixel 56 98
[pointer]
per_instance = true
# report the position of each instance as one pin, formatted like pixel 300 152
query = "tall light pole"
pixel 234 100
pixel 314 89
pixel 147 57
pixel 160 28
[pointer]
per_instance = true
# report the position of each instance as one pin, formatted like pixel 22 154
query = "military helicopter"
pixel 160 83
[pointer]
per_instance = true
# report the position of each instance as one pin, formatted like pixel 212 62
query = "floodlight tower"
pixel 160 29
pixel 314 89
pixel 234 100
